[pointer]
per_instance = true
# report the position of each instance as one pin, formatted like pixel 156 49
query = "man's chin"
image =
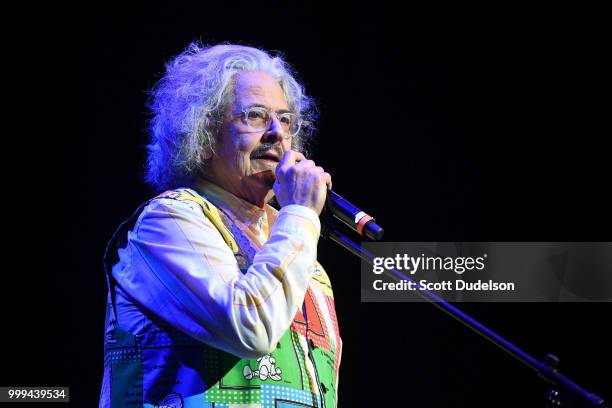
pixel 262 178
pixel 258 186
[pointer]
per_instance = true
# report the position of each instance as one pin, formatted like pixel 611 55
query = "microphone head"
pixel 373 231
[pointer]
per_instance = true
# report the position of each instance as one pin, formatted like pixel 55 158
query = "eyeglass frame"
pixel 244 117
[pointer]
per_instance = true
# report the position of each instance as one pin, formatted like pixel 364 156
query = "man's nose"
pixel 275 132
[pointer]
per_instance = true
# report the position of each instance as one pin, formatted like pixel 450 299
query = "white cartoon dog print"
pixel 267 368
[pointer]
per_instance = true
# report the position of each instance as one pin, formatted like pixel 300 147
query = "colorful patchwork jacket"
pixel 214 302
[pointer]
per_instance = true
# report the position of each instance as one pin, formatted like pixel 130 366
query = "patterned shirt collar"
pixel 242 212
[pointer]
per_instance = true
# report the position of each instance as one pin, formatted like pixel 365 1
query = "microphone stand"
pixel 563 392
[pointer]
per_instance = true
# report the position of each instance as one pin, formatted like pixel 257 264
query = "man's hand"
pixel 300 181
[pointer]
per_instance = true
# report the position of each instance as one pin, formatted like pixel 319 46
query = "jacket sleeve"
pixel 177 266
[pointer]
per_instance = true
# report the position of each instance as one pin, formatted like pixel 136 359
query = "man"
pixel 215 298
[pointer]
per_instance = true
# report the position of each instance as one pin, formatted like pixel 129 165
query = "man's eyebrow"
pixel 259 105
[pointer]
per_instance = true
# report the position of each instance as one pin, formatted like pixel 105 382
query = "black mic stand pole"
pixel 564 393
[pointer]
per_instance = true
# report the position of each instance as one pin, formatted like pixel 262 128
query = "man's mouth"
pixel 270 155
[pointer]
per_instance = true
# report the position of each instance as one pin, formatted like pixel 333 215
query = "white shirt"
pixel 177 266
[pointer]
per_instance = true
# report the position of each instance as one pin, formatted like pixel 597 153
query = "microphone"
pixel 348 214
pixel 352 216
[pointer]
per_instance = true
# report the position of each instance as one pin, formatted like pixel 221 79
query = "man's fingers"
pixel 301 181
pixel 299 157
pixel 328 180
pixel 290 157
pixel 276 188
pixel 288 160
pixel 305 164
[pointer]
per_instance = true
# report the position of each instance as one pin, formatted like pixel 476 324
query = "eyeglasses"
pixel 259 118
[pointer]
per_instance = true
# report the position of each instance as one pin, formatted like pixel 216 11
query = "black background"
pixel 448 122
